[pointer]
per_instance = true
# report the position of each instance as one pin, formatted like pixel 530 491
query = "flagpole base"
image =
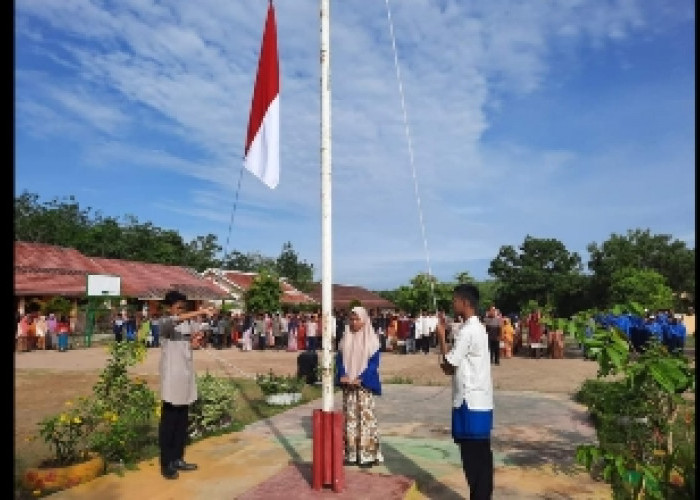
pixel 328 447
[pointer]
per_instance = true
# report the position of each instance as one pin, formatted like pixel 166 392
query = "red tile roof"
pixel 51 270
pixel 344 294
pixel 151 281
pixel 47 283
pixel 243 280
pixel 42 269
pixel 34 256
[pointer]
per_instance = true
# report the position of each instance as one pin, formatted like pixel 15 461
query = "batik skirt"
pixel 361 434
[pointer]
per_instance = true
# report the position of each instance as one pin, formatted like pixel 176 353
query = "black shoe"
pixel 182 465
pixel 366 465
pixel 169 472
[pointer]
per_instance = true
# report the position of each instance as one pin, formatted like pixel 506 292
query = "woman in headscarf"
pixel 357 364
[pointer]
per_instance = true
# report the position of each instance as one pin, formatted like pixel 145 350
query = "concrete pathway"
pixel 534 442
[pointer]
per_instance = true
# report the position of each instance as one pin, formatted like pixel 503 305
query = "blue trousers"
pixel 62 341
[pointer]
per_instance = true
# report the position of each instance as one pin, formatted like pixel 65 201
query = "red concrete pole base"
pixel 328 447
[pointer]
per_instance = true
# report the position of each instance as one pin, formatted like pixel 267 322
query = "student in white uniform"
pixel 469 364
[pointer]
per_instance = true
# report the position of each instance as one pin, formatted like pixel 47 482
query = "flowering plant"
pixel 67 433
pixel 278 384
pixel 116 420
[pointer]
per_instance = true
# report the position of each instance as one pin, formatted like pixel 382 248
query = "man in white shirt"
pixel 469 364
pixel 178 386
pixel 312 333
pixel 421 331
pixel 431 321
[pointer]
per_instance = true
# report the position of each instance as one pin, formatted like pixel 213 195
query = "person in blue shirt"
pixel 155 329
pixel 357 373
pixel 130 325
pixel 623 323
pixel 637 333
pixel 677 333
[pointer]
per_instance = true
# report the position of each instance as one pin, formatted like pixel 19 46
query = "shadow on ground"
pixel 398 463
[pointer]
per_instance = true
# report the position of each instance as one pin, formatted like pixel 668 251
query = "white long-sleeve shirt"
pixel 421 327
pixel 311 329
pixel 471 381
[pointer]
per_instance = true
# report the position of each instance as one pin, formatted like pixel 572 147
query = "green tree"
pixel 264 294
pixel 641 250
pixel 60 306
pixel 250 262
pixel 299 273
pixel 425 293
pixel 58 222
pixel 200 253
pixel 354 303
pixel 643 286
pixel 488 291
pixel 542 269
pixel 463 277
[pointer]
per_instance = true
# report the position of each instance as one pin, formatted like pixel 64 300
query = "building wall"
pixel 689 322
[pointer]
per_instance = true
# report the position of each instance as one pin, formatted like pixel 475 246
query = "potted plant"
pixel 280 389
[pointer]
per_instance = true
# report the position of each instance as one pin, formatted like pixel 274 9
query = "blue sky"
pixel 561 119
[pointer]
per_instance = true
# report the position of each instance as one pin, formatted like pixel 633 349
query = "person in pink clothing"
pixel 293 328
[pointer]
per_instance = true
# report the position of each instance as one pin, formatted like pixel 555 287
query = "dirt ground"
pixel 45 380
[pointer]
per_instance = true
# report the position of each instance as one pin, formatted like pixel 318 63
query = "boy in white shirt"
pixel 469 364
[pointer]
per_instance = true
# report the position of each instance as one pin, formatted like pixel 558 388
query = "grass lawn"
pixel 251 405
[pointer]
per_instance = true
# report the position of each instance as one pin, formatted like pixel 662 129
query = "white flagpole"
pixel 326 283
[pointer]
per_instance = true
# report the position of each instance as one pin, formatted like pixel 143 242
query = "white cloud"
pixel 168 86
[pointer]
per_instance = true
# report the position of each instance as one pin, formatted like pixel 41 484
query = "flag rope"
pixel 410 152
pixel 233 211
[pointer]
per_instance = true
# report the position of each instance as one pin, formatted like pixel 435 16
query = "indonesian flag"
pixel 262 149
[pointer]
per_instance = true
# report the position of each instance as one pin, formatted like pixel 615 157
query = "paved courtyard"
pixel 535 435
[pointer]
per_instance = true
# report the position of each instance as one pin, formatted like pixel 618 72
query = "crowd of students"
pixel 398 332
pixel 36 331
pixel 664 326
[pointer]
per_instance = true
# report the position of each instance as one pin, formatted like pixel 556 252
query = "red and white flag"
pixel 262 145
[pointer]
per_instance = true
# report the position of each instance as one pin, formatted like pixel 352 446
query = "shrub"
pixel 125 430
pixel 116 420
pixel 67 434
pixel 125 407
pixel 278 384
pixel 215 405
pixel 645 441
